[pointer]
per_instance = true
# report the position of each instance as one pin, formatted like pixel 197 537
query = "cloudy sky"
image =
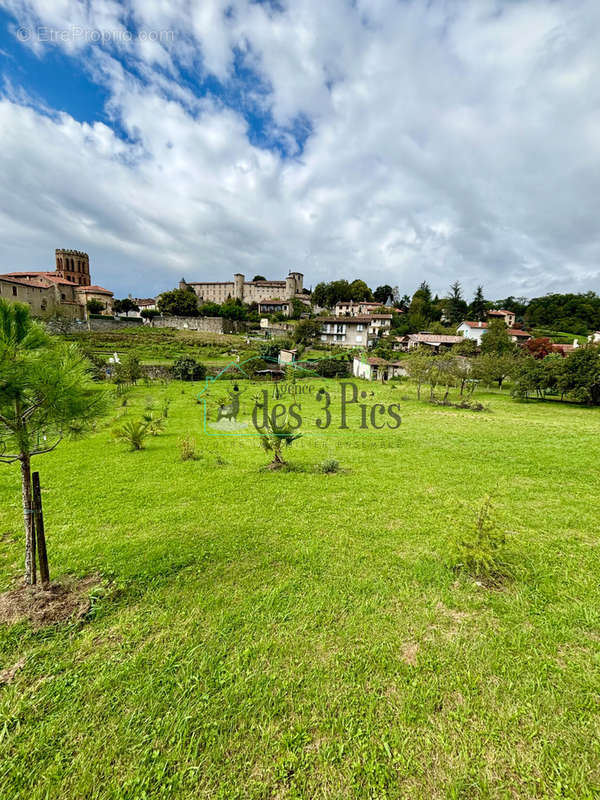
pixel 393 140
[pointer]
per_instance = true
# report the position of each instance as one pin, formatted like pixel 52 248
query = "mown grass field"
pixel 299 635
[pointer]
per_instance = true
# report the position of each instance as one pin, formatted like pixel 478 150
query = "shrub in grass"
pixel 155 424
pixel 187 449
pixel 273 440
pixel 329 466
pixel 481 552
pixel 134 432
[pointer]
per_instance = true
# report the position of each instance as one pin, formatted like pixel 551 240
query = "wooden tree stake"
pixel 39 529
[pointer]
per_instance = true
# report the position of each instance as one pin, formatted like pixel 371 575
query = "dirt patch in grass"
pixel 7 675
pixel 409 653
pixel 47 606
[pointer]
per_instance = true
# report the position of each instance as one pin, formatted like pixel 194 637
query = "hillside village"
pixel 379 331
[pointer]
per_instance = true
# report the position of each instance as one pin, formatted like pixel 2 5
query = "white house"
pixel 475 330
pixel 354 331
pixel 472 330
pixel 372 368
pixel 594 338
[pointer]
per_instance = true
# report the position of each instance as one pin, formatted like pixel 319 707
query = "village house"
pixel 594 338
pixel 435 341
pixel 354 331
pixel 374 368
pixel 276 306
pixel 508 317
pixel 475 330
pixel 348 308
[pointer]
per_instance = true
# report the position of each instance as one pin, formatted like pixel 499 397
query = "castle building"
pixel 66 289
pixel 249 291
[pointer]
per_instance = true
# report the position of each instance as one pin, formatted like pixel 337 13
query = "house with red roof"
pixel 508 317
pixel 475 330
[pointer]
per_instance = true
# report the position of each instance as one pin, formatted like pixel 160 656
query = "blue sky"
pixel 393 141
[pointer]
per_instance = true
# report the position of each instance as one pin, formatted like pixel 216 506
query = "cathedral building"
pixel 66 289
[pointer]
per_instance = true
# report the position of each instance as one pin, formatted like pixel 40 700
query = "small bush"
pixel 329 466
pixel 132 432
pixel 187 449
pixel 154 424
pixel 481 552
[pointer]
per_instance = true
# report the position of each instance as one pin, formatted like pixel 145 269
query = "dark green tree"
pixel 381 293
pixel 306 331
pixel 496 339
pixel 125 306
pixel 455 307
pixel 359 292
pixel 210 310
pixel 95 306
pixel 178 303
pixel 478 308
pixel 233 309
pixel 187 368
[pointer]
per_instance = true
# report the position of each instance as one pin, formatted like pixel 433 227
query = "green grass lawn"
pixel 299 635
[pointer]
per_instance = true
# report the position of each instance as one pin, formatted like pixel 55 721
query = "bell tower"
pixel 73 266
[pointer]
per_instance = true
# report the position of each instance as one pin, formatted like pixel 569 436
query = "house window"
pixel 14 288
pixel 359 338
pixel 339 328
pixel 323 338
pixel 360 327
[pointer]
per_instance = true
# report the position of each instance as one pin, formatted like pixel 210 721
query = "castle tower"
pixel 290 287
pixel 73 266
pixel 297 280
pixel 238 286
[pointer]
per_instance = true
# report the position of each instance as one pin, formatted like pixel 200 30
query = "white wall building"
pixel 475 330
pixel 354 331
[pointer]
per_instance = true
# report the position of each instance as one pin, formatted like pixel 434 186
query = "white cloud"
pixel 448 140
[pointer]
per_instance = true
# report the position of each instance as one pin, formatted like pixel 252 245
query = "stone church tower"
pixel 73 266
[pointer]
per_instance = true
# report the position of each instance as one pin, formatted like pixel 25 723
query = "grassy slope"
pixel 299 635
pixel 163 345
